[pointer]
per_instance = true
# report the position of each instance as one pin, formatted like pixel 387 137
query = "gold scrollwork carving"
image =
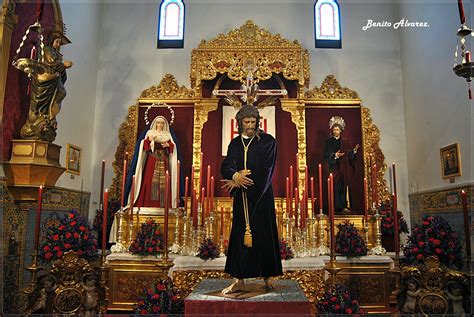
pixel 271 53
pixel 297 111
pixel 168 88
pixel 127 133
pixel 373 154
pixel 331 89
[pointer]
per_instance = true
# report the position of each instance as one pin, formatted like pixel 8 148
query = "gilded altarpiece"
pixel 217 64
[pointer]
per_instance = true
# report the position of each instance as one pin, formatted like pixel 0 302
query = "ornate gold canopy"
pixel 271 53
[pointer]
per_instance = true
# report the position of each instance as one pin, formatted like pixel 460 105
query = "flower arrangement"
pixel 149 240
pixel 71 232
pixel 433 236
pixel 388 224
pixel 113 206
pixel 208 250
pixel 286 253
pixel 160 298
pixel 348 240
pixel 337 299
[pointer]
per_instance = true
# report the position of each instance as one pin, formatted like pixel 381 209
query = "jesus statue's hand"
pixel 229 185
pixel 242 180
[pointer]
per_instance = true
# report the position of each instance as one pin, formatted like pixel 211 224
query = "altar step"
pixel 287 299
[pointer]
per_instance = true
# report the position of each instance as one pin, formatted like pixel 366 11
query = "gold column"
pixel 201 109
pixel 297 111
pixel 7 20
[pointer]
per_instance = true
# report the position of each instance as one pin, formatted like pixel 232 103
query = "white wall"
pixel 437 109
pixel 369 63
pixel 76 118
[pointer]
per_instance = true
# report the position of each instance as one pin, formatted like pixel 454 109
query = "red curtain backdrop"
pixel 317 132
pixel 182 127
pixel 16 102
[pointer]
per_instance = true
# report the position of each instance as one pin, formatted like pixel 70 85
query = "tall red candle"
pixel 366 215
pixel 208 189
pixel 462 18
pixel 222 222
pixel 331 216
pixel 178 178
pixel 306 180
pixel 331 178
pixel 288 197
pixel 124 177
pixel 297 172
pixel 297 204
pixel 467 234
pixel 320 172
pixel 203 201
pixel 102 174
pixel 186 186
pixel 329 196
pixel 194 209
pixel 395 226
pixel 167 209
pixel 313 213
pixel 132 196
pixel 303 209
pixel 104 220
pixel 38 217
pixel 394 179
pixel 291 186
pixel 212 194
pixel 374 185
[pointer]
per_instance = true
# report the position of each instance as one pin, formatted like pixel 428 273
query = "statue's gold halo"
pixel 30 66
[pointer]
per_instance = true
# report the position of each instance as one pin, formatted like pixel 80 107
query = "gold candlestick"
pixel 34 268
pixel 378 249
pixel 176 248
pixel 118 247
pixel 103 283
pixel 322 247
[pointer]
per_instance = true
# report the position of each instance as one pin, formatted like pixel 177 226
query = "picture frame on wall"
pixel 451 161
pixel 73 159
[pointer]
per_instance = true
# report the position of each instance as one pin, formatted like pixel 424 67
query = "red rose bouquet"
pixel 149 240
pixel 160 298
pixel 348 240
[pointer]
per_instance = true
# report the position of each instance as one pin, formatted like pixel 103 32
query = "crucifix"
pixel 249 91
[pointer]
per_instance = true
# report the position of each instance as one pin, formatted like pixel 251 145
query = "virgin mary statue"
pixel 156 153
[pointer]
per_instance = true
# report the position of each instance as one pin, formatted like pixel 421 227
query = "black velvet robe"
pixel 342 169
pixel 263 258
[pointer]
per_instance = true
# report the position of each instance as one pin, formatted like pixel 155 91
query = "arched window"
pixel 327 24
pixel 171 24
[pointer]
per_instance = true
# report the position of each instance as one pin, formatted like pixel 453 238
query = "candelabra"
pixel 287 224
pixel 366 229
pixel 322 247
pixel 103 283
pixel 34 268
pixel 176 248
pixel 184 245
pixel 118 247
pixel 378 249
pixel 210 225
pixel 312 233
pixel 332 268
pixel 130 229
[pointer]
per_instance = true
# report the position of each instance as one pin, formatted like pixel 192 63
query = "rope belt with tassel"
pixel 248 232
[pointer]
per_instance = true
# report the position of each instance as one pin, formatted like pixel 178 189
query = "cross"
pixel 245 90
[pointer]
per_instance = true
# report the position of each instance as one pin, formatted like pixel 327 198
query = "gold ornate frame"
pixel 70 161
pixel 272 54
pixel 450 153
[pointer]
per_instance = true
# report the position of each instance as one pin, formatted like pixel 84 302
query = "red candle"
pixel 313 213
pixel 468 57
pixel 208 189
pixel 132 198
pixel 124 176
pixel 178 176
pixel 211 203
pixel 306 180
pixel 395 226
pixel 203 201
pixel 329 196
pixel 467 234
pixel 38 217
pixel 167 209
pixel 297 172
pixel 462 18
pixel 104 220
pixel 331 178
pixel 331 216
pixel 288 197
pixel 186 186
pixel 222 222
pixel 394 179
pixel 366 215
pixel 102 173
pixel 374 185
pixel 291 191
pixel 320 171
pixel 194 209
pixel 297 204
pixel 303 209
